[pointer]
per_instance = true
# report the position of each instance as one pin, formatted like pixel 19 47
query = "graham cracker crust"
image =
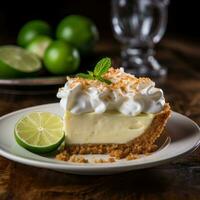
pixel 143 144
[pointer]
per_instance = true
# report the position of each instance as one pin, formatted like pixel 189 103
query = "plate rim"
pixel 61 165
pixel 33 81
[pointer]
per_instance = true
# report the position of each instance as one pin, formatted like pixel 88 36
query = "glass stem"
pixel 140 61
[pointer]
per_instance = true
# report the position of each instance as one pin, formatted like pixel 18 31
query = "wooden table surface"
pixel 176 180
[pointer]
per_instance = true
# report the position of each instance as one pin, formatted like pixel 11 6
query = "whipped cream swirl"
pixel 145 99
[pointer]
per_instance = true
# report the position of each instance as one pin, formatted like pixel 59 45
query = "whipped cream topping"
pixel 127 94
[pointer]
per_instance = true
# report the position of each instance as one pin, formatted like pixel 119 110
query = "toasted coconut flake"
pixel 120 80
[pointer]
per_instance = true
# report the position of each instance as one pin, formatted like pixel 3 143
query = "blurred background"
pixel 13 14
pixel 178 48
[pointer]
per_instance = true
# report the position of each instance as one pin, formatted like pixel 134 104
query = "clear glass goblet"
pixel 139 25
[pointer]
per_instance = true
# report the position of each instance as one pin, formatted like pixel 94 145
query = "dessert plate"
pixel 41 81
pixel 182 136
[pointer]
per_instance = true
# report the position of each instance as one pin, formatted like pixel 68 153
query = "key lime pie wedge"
pixel 109 111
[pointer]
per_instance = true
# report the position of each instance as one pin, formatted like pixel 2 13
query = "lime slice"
pixel 15 61
pixel 39 45
pixel 39 132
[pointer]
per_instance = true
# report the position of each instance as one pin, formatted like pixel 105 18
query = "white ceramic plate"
pixel 182 135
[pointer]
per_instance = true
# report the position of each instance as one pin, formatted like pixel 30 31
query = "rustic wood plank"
pixel 5 172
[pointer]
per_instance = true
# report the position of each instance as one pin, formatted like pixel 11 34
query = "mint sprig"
pixel 86 76
pixel 102 66
pixel 99 70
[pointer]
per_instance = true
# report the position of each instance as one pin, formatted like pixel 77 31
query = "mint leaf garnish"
pixel 100 69
pixel 104 80
pixel 91 73
pixel 86 76
pixel 102 66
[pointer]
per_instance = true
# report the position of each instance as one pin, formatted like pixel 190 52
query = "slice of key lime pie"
pixel 108 110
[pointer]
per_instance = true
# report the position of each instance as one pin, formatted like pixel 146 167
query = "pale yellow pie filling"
pixel 105 128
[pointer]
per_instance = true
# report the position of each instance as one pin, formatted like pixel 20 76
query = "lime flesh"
pixel 39 45
pixel 39 132
pixel 15 61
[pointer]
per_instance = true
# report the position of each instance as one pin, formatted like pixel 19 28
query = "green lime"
pixel 31 29
pixel 79 31
pixel 39 132
pixel 39 44
pixel 61 58
pixel 16 61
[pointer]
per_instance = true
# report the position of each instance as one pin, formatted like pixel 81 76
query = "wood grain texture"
pixel 176 180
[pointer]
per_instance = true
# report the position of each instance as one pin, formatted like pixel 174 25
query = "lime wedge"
pixel 39 132
pixel 15 62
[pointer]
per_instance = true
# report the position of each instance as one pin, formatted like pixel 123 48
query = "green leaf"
pixel 102 66
pixel 91 73
pixel 103 80
pixel 86 76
